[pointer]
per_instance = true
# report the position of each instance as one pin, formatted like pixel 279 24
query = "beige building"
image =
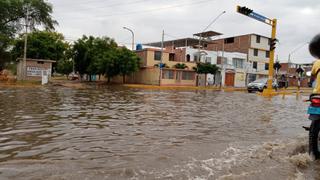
pixel 149 72
pixel 34 69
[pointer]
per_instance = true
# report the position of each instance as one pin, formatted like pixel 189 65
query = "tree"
pixel 128 62
pixel 65 67
pixel 92 55
pixel 206 68
pixel 42 45
pixel 107 64
pixel 12 19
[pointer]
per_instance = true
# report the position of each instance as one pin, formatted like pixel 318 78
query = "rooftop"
pixel 207 34
pixel 176 42
pixel 43 60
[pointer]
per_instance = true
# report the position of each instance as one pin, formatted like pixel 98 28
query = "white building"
pixel 233 70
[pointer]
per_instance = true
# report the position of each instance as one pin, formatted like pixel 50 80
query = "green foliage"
pixel 12 67
pixel 65 67
pixel 93 55
pixel 180 66
pixel 206 68
pixel 127 61
pixel 164 65
pixel 13 13
pixel 12 20
pixel 42 45
pixel 4 60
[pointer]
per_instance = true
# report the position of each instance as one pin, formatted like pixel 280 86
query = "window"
pixel 237 62
pixel 40 62
pixel 195 58
pixel 267 54
pixel 255 65
pixel 252 77
pixel 255 52
pixel 178 75
pixel 229 40
pixel 187 75
pixel 167 74
pixel 157 55
pixel 171 57
pixel 225 61
pixel 266 66
pixel 269 41
pixel 258 38
pixel 188 57
pixel 208 60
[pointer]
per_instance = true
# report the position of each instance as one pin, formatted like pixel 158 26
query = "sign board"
pixel 45 78
pixel 259 17
pixel 34 71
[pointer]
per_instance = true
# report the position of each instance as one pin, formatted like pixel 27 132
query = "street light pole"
pixel 200 37
pixel 132 36
pixel 296 49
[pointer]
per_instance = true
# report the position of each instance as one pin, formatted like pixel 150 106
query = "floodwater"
pixel 124 133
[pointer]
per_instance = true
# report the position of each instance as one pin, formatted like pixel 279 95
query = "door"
pixel 229 81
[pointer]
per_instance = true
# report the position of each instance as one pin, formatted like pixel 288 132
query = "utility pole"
pixel 23 73
pixel 161 59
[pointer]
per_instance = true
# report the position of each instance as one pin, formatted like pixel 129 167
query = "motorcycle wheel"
pixel 314 141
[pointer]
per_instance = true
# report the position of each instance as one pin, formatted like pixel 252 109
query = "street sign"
pixel 261 18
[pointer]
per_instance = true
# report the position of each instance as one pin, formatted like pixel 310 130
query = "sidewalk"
pixel 212 88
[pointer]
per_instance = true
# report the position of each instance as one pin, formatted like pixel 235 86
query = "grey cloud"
pixel 298 20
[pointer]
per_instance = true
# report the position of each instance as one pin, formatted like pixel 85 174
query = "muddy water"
pixel 118 133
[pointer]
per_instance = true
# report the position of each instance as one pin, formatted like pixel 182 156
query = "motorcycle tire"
pixel 314 141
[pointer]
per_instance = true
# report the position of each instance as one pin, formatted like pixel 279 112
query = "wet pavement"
pixel 127 133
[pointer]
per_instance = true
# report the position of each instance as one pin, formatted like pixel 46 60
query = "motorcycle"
pixel 314 129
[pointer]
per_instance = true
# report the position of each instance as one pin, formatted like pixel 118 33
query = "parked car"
pixel 259 85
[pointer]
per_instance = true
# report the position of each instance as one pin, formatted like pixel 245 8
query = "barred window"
pixel 167 74
pixel 188 75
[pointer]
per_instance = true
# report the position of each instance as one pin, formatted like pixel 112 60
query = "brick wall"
pixel 241 44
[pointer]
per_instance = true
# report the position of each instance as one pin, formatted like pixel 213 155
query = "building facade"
pixel 256 47
pixel 172 74
pixel 35 69
pixel 234 69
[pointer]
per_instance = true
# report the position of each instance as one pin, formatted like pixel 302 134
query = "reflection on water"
pixel 119 133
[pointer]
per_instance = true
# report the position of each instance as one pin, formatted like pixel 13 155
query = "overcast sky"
pixel 298 20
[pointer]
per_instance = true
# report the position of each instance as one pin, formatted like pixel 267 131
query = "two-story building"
pixel 177 68
pixel 257 48
pixel 234 69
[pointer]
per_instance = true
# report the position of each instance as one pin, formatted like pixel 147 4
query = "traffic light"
pixel 277 66
pixel 300 71
pixel 273 43
pixel 244 10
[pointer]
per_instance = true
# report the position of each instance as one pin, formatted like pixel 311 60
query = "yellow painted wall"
pixel 149 76
pixel 152 62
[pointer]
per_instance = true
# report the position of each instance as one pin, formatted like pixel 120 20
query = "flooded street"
pixel 126 133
